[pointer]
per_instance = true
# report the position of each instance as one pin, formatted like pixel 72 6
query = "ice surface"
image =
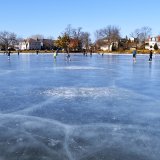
pixel 92 108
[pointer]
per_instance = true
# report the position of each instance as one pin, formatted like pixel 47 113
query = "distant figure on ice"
pixel 9 54
pixel 134 54
pixel 37 52
pixel 91 52
pixel 68 57
pixel 84 52
pixel 18 52
pixel 150 54
pixel 55 54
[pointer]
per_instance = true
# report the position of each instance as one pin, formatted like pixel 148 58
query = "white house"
pixel 109 47
pixel 106 48
pixel 30 44
pixel 152 41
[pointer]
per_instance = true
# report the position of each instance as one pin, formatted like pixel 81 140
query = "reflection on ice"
pixel 79 68
pixel 4 72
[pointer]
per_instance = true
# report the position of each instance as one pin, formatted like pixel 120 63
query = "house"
pixel 109 47
pixel 150 42
pixel 106 48
pixel 105 45
pixel 47 44
pixel 30 44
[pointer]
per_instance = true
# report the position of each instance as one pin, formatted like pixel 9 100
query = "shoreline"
pixel 127 52
pixel 100 54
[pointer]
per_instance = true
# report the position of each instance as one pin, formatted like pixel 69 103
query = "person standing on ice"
pixel 9 54
pixel 56 54
pixel 150 54
pixel 134 54
pixel 68 57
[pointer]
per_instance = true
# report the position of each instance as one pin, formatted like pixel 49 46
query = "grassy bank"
pixel 130 52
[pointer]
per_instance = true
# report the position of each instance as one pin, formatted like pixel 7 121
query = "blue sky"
pixel 50 17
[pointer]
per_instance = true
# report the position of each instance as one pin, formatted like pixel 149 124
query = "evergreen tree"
pixel 156 46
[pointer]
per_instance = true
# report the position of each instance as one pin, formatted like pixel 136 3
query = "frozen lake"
pixel 91 108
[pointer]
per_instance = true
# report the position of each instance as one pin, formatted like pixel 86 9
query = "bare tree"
pixel 7 39
pixel 66 37
pixel 99 39
pixel 73 32
pixel 77 35
pixel 74 36
pixel 145 33
pixel 19 39
pixel 85 39
pixel 98 34
pixel 141 34
pixel 74 39
pixel 68 31
pixel 136 35
pixel 37 36
pixel 110 35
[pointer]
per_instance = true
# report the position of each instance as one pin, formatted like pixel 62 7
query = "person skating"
pixel 91 52
pixel 68 57
pixel 134 54
pixel 9 54
pixel 56 54
pixel 150 54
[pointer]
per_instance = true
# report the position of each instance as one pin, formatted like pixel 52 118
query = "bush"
pixel 156 46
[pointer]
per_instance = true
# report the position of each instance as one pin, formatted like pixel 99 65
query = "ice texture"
pixel 91 108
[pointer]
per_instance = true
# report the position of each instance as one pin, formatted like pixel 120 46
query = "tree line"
pixel 75 39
